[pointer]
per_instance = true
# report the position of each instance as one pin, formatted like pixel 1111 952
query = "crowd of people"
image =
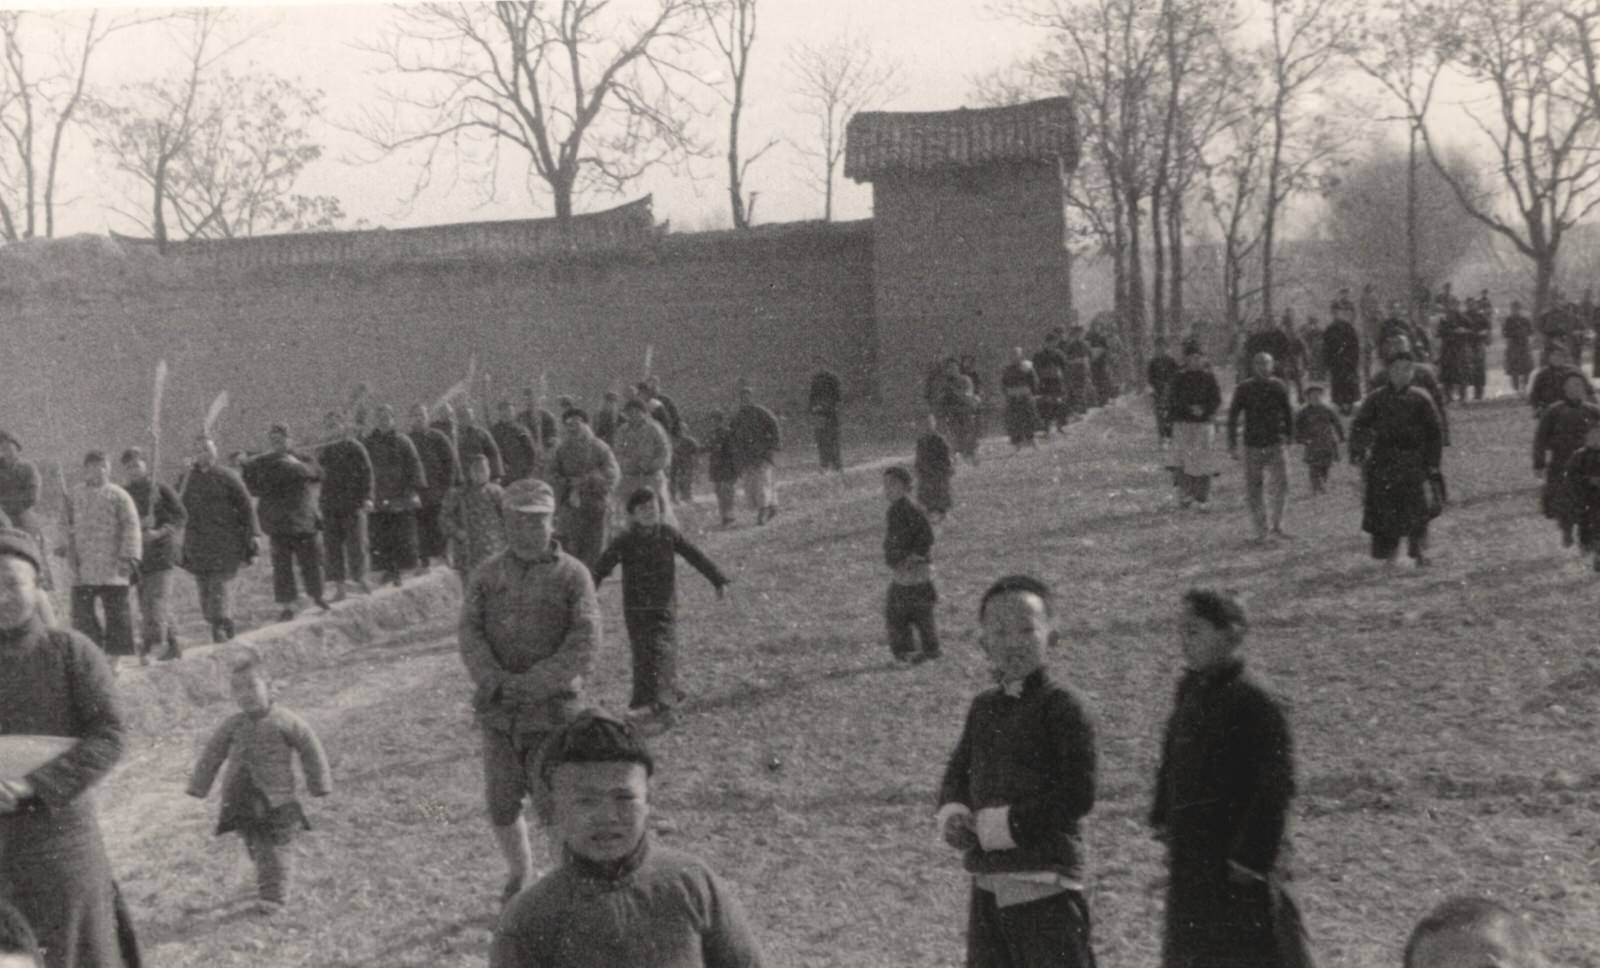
pixel 538 508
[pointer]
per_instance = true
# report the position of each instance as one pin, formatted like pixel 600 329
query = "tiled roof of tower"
pixel 880 142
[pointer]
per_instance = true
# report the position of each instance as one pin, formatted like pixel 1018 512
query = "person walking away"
pixel 530 629
pixel 474 514
pixel 1159 374
pixel 520 453
pixel 344 499
pixel 648 551
pixel 104 544
pixel 823 401
pixel 584 473
pixel 220 536
pixel 1583 480
pixel 53 864
pixel 934 467
pixel 1222 800
pixel 1318 429
pixel 285 488
pixel 1396 439
pixel 1263 403
pixel 162 519
pixel 682 472
pixel 1316 364
pixel 622 900
pixel 396 479
pixel 1079 380
pixel 1196 398
pixel 1342 359
pixel 1562 431
pixel 440 473
pixel 1517 331
pixel 756 442
pixel 722 466
pixel 1016 790
pixel 1480 331
pixel 255 750
pixel 908 551
pixel 644 453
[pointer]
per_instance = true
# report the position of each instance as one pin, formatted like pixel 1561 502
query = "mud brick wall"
pixel 967 261
pixel 289 343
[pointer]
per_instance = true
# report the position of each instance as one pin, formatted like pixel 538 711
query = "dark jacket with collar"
pixel 649 565
pixel 346 477
pixel 1034 753
pixel 160 552
pixel 1268 415
pixel 285 487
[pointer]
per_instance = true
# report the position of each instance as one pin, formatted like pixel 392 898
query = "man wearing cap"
pixel 519 446
pixel 397 476
pixel 104 543
pixel 643 452
pixel 621 900
pixel 584 471
pixel 530 628
pixel 163 522
pixel 1423 378
pixel 221 533
pixel 286 489
pixel 1396 439
pixel 55 689
pixel 345 500
pixel 19 492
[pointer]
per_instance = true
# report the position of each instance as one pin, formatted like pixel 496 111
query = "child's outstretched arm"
pixel 313 759
pixel 211 759
pixel 694 556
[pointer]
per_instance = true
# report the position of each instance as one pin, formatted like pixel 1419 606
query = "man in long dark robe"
pixel 397 476
pixel 1341 356
pixel 440 472
pixel 53 864
pixel 823 401
pixel 1397 439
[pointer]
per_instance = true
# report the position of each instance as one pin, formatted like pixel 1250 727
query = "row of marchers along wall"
pixel 84 321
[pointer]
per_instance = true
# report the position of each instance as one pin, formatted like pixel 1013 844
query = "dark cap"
pixel 530 496
pixel 1192 347
pixel 279 428
pixel 20 544
pixel 130 455
pixel 595 737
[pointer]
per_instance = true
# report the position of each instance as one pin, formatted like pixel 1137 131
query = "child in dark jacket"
pixel 908 550
pixel 723 466
pixel 1317 428
pixel 1016 789
pixel 934 468
pixel 648 552
pixel 259 745
pixel 1583 479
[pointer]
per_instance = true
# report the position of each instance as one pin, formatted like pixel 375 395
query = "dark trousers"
pixel 908 610
pixel 1052 932
pixel 287 550
pixel 1384 546
pixel 394 541
pixel 653 645
pixel 115 637
pixel 828 450
pixel 269 851
pixel 1319 477
pixel 1193 487
pixel 680 480
pixel 344 539
pixel 431 540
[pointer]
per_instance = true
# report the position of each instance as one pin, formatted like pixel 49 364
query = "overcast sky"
pixel 940 45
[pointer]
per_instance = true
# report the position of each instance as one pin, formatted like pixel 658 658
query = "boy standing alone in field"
pixel 1019 783
pixel 647 551
pixel 908 550
pixel 621 901
pixel 259 745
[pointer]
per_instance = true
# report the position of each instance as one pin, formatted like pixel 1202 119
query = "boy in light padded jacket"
pixel 1016 790
pixel 258 746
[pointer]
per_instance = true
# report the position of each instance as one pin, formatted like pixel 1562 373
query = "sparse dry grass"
pixel 1445 720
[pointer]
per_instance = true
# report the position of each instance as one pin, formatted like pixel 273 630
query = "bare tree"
pixel 1544 125
pixel 733 29
pixel 833 82
pixel 40 95
pixel 1307 41
pixel 147 127
pixel 589 97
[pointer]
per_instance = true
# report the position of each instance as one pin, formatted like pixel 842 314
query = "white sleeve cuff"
pixel 994 828
pixel 945 813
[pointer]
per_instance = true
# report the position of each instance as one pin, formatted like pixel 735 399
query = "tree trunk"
pixel 1412 282
pixel 158 219
pixel 1119 263
pixel 1175 318
pixel 741 219
pixel 1544 274
pixel 1158 267
pixel 561 191
pixel 1269 228
pixel 1134 321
